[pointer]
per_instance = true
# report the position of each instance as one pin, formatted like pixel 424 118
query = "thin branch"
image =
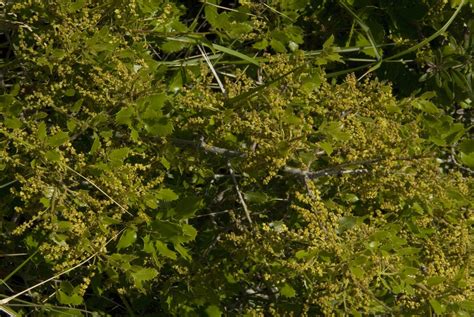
pixel 10 298
pixel 211 67
pixel 325 172
pixel 8 183
pixel 98 188
pixel 241 198
pixel 209 148
pixel 336 170
pixel 12 254
pixel 459 165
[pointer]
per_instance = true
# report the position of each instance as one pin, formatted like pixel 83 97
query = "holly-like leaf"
pixel 164 251
pixel 187 206
pixel 127 239
pixel 143 275
pixel 124 116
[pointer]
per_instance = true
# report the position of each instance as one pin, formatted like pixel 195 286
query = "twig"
pixel 308 188
pixel 98 188
pixel 221 86
pixel 241 198
pixel 459 165
pixel 10 298
pixel 325 172
pixel 12 254
pixel 336 170
pixel 212 214
pixel 8 183
pixel 208 148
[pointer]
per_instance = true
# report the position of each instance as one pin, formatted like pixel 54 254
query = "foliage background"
pixel 236 158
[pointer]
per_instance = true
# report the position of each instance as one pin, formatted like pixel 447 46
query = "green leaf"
pixel 438 308
pixel 350 198
pixel 189 233
pixel 362 41
pixel 346 223
pixel 13 123
pixel 408 251
pixel 156 101
pixel 278 46
pixel 71 125
pixel 173 46
pixel 127 239
pixel 74 299
pixel 160 127
pixel 333 129
pixel 167 194
pixel 41 133
pixel 77 105
pixel 124 116
pixel 148 245
pixel 166 229
pixel 287 291
pixel 95 145
pixel 213 311
pixel 53 156
pixel 357 271
pixel 164 251
pixel 329 42
pixel 150 201
pixel 176 83
pixel 256 197
pixel 182 251
pixel 186 207
pixel 301 254
pixel 467 305
pixel 143 275
pixel 70 92
pixel 68 295
pixel 467 146
pixel 165 163
pixel 76 5
pixel 261 45
pixel 58 139
pixel 468 159
pixel 327 147
pixel 117 156
pixel 235 53
pixel 426 106
pixel 434 280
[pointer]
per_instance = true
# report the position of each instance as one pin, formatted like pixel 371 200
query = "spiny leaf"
pixel 127 239
pixel 143 275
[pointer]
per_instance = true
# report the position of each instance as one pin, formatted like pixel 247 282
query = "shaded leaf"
pixel 58 139
pixel 143 275
pixel 213 311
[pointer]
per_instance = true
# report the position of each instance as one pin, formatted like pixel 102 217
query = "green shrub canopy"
pixel 139 179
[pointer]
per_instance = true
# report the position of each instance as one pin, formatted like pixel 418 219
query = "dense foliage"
pixel 253 158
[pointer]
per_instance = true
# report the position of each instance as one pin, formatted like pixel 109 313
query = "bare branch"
pixel 336 170
pixel 202 145
pixel 459 165
pixel 241 198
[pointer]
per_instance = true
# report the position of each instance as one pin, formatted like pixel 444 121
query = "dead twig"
pixel 241 198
